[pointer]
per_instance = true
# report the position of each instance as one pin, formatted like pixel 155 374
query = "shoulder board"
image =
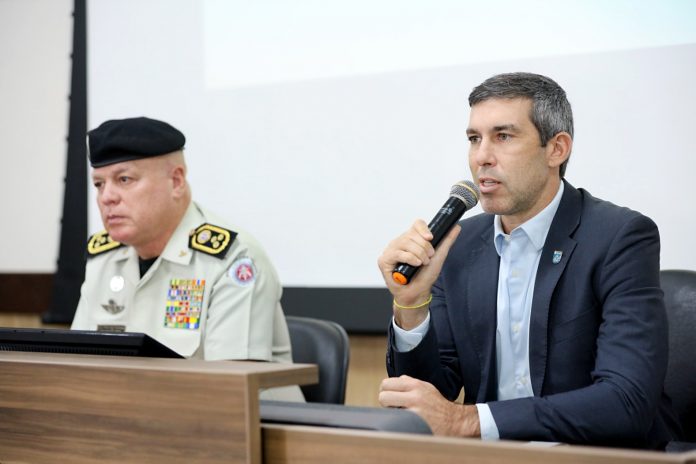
pixel 100 243
pixel 212 240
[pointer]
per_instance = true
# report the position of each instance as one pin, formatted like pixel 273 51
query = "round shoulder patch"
pixel 243 271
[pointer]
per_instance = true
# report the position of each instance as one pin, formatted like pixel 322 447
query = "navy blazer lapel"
pixel 555 255
pixel 482 302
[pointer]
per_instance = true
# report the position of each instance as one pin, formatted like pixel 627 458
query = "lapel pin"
pixel 557 255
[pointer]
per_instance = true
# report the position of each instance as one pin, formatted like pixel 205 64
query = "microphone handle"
pixel 444 220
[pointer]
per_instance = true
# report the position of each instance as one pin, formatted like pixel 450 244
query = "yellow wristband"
pixel 422 305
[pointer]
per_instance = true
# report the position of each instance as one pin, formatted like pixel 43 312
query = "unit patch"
pixel 212 240
pixel 243 271
pixel 100 243
pixel 184 304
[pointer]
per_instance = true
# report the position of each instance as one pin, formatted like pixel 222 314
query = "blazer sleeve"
pixel 435 359
pixel 620 406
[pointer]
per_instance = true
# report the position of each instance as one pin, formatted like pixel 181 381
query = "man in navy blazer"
pixel 546 309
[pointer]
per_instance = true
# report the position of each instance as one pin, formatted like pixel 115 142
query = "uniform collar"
pixel 177 249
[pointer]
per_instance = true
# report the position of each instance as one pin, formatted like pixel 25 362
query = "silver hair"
pixel 551 112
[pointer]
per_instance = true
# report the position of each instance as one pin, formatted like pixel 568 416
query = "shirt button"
pixel 515 327
pixel 515 273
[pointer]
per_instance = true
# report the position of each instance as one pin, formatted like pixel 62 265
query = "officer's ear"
pixel 178 180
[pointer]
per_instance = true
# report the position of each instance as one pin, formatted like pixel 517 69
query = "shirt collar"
pixel 177 249
pixel 535 228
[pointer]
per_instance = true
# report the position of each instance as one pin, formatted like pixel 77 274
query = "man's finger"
pixel 399 384
pixel 422 228
pixel 392 399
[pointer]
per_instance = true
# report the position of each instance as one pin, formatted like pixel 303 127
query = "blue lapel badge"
pixel 557 255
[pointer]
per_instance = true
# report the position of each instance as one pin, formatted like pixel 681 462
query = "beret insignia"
pixel 100 243
pixel 212 240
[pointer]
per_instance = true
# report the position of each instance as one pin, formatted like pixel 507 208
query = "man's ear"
pixel 178 178
pixel 558 149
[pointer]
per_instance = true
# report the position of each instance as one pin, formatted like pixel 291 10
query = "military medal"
pixel 184 304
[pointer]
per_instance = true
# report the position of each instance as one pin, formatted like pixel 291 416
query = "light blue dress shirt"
pixel 519 253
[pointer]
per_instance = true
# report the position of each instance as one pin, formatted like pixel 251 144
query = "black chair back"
pixel 680 384
pixel 324 343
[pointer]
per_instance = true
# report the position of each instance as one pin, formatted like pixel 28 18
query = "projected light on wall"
pixel 305 120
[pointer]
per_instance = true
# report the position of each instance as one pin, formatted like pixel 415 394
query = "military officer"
pixel 167 267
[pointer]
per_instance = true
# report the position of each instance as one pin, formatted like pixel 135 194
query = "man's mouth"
pixel 487 184
pixel 113 219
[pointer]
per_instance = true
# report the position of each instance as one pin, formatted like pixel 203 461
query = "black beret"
pixel 129 139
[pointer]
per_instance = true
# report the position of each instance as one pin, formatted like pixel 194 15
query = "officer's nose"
pixel 108 194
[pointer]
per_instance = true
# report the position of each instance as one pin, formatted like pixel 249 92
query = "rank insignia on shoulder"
pixel 212 240
pixel 100 243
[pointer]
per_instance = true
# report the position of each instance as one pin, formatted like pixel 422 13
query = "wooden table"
pixel 85 408
pixel 286 444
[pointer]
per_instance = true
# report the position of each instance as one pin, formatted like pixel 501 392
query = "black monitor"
pixel 340 416
pixel 83 342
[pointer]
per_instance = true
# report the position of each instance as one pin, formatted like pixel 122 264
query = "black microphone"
pixel 463 196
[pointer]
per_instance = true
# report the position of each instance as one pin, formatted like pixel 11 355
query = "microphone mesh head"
pixel 466 191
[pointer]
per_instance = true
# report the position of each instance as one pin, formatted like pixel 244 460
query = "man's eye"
pixel 474 138
pixel 98 184
pixel 124 179
pixel 503 137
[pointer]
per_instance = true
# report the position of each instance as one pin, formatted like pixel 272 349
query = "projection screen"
pixel 326 128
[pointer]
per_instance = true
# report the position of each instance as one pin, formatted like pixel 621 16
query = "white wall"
pixel 35 46
pixel 326 128
pixel 298 117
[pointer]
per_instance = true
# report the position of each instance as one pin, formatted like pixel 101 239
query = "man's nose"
pixel 483 154
pixel 109 194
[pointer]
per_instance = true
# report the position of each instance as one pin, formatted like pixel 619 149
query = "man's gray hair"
pixel 551 112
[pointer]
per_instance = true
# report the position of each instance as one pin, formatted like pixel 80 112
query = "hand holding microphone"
pixel 413 250
pixel 463 196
